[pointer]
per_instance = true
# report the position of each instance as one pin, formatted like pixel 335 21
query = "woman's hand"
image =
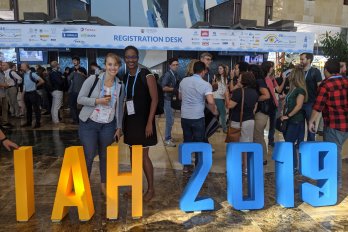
pixel 8 144
pixel 118 135
pixel 284 118
pixel 148 130
pixel 103 101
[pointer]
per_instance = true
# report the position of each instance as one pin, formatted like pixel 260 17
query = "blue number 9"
pixel 319 162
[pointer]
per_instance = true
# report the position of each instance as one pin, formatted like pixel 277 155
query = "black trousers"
pixel 32 100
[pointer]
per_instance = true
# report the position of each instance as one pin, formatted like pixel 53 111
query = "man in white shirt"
pixel 12 79
pixel 194 91
pixel 3 99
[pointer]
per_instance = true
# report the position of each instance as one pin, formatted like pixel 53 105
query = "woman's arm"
pixel 297 108
pixel 151 83
pixel 264 94
pixel 279 88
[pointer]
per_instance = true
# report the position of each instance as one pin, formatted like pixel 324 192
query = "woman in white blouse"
pixel 220 83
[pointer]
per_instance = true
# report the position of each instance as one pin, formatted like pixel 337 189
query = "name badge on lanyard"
pixel 130 103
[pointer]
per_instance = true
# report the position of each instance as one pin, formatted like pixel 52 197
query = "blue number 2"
pixel 188 198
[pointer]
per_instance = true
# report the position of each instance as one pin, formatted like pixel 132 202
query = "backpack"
pixel 160 105
pixel 14 79
pixel 32 78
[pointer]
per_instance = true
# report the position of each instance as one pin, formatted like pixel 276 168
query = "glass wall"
pixel 185 13
pixel 115 12
pixel 32 6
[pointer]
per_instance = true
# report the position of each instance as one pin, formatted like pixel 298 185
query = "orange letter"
pixel 114 179
pixel 24 179
pixel 73 174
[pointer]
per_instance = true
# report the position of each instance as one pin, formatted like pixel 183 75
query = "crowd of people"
pixel 248 97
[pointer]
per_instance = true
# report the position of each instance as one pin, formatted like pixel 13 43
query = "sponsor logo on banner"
pixel 224 43
pixel 70 32
pixel 195 33
pixel 205 43
pixel 86 29
pixel 79 41
pixel 70 35
pixel 272 39
pixel 214 33
pixel 204 33
pixel 195 39
pixel 87 35
pixel 196 43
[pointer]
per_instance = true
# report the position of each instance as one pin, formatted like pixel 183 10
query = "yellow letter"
pixel 114 179
pixel 73 174
pixel 24 179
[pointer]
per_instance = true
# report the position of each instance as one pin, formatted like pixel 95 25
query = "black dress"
pixel 135 125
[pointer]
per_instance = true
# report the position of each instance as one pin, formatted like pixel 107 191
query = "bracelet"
pixel 2 140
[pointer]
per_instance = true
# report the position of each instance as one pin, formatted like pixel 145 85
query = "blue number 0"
pixel 188 199
pixel 319 162
pixel 255 198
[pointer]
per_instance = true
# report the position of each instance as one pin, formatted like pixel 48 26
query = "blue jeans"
pixel 168 112
pixel 194 131
pixel 220 103
pixel 295 133
pixel 307 108
pixel 272 124
pixel 337 137
pixel 95 138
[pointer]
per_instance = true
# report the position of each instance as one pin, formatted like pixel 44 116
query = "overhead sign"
pixel 86 36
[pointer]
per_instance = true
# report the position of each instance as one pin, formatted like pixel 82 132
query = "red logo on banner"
pixel 204 33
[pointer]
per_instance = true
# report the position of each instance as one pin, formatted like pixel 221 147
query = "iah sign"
pixel 318 162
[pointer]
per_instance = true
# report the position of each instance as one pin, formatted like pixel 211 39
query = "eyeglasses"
pixel 131 57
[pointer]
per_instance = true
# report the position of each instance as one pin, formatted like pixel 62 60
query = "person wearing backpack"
pixel 31 97
pixel 168 83
pixel 139 117
pixel 102 98
pixel 57 85
pixel 12 79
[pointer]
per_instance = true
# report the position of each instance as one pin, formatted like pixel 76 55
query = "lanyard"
pixel 112 91
pixel 175 80
pixel 135 80
pixel 307 73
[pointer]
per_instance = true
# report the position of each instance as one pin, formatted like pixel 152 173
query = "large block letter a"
pixel 73 187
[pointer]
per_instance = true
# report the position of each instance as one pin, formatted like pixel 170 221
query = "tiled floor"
pixel 162 213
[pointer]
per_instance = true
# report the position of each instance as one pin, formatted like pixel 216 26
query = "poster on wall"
pixel 115 37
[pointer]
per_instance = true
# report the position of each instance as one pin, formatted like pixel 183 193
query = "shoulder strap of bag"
pixel 93 86
pixel 32 78
pixel 242 109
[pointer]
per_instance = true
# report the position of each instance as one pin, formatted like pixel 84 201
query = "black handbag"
pixel 175 101
pixel 281 126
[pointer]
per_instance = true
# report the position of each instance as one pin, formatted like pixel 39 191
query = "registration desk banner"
pixel 115 37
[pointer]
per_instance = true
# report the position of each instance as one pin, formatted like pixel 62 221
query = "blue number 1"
pixel 188 199
pixel 284 171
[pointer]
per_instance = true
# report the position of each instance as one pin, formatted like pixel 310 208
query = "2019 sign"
pixel 318 162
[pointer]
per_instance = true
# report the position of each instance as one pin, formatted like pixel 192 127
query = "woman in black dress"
pixel 139 119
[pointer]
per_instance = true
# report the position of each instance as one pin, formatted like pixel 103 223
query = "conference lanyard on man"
pixel 130 103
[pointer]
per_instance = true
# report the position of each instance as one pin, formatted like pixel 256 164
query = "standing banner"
pixel 89 36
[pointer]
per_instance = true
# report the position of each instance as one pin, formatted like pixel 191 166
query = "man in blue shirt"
pixel 169 83
pixel 31 97
pixel 194 92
